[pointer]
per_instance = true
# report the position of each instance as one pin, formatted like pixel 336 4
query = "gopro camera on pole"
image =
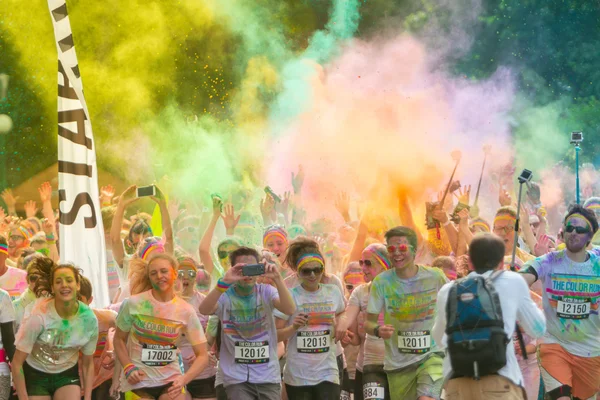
pixel 576 139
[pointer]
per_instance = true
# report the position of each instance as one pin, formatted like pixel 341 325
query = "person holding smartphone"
pixel 248 363
pixel 311 369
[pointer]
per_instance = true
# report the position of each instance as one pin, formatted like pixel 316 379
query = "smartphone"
pixel 146 191
pixel 215 195
pixel 429 208
pixel 459 207
pixel 253 269
pixel 270 191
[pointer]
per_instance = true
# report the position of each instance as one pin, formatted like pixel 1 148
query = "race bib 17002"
pixel 313 341
pixel 156 355
pixel 252 352
pixel 573 308
pixel 414 342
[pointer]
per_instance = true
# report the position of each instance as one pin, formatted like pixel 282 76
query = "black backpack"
pixel 475 328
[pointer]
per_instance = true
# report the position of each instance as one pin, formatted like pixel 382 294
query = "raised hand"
pixel 30 209
pixel 342 204
pixel 230 219
pixel 217 206
pixel 9 198
pixel 160 196
pixel 542 246
pixel 128 196
pixel 267 207
pixel 504 197
pixel 464 194
pixel 45 191
pixel 298 180
pixel 106 195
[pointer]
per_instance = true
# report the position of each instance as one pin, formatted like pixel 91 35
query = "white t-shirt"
pixel 53 343
pixel 311 358
pixel 373 348
pixel 14 281
pixel 7 314
pixel 516 304
pixel 155 335
pixel 571 300
pixel 20 304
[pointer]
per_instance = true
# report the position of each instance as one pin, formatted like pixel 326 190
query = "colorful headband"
pixel 187 262
pixel 379 251
pixel 155 246
pixel 274 232
pixel 577 215
pixel 26 232
pixel 3 249
pixel 593 203
pixel 354 277
pixel 504 217
pixel 308 258
pixel 481 223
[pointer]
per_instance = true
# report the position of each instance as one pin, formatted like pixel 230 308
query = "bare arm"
pixel 18 375
pixel 88 376
pixel 205 243
pixel 125 199
pixel 285 303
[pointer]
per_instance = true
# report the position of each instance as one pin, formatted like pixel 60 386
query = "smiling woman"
pixel 49 341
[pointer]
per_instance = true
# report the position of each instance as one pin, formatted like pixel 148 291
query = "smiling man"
pixel 406 294
pixel 570 355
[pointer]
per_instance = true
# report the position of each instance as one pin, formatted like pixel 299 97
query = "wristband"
pixel 376 331
pixel 50 242
pixel 50 237
pixel 222 286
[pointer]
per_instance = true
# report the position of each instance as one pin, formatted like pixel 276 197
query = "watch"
pixel 376 331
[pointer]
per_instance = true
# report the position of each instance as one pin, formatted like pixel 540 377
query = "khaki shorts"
pixel 560 368
pixel 487 388
pixel 424 378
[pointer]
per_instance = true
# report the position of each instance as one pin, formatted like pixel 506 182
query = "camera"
pixel 576 138
pixel 525 176
pixel 429 208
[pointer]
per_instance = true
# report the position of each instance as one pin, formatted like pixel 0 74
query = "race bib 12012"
pixel 252 352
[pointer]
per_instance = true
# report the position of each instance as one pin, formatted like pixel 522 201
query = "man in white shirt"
pixel 486 254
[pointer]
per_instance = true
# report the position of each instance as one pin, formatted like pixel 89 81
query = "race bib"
pixel 156 355
pixel 313 341
pixel 373 391
pixel 573 308
pixel 344 395
pixel 252 352
pixel 414 342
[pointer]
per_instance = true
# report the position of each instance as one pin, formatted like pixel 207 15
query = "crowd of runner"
pixel 228 303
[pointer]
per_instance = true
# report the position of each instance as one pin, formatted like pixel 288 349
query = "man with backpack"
pixel 476 319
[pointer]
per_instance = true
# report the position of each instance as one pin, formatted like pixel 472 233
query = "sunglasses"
pixel 505 229
pixel 16 237
pixel 310 271
pixel 578 229
pixel 401 248
pixel 350 287
pixel 367 263
pixel 190 273
pixel 222 254
pixel 32 278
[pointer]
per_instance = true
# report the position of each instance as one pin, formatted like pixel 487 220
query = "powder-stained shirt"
pixel 106 321
pixel 112 275
pixel 248 336
pixel 20 304
pixel 53 343
pixel 155 332
pixel 409 306
pixel 311 356
pixel 187 352
pixel 14 281
pixel 571 298
pixel 7 314
pixel 373 348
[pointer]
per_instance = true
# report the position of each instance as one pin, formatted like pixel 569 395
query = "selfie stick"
pixel 456 155
pixel 514 250
pixel 576 139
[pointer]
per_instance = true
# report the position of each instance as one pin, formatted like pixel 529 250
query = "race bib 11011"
pixel 414 342
pixel 156 355
pixel 252 352
pixel 313 341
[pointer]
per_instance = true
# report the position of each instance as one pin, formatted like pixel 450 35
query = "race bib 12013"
pixel 414 342
pixel 313 341
pixel 252 352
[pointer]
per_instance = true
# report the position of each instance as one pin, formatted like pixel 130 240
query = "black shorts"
pixel 202 388
pixel 374 379
pixel 39 383
pixel 151 393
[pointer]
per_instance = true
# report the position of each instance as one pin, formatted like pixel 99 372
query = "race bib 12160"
pixel 252 352
pixel 156 355
pixel 313 341
pixel 414 342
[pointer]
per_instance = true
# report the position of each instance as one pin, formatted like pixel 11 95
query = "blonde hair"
pixel 139 279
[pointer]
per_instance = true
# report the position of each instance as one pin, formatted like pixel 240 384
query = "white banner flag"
pixel 81 231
